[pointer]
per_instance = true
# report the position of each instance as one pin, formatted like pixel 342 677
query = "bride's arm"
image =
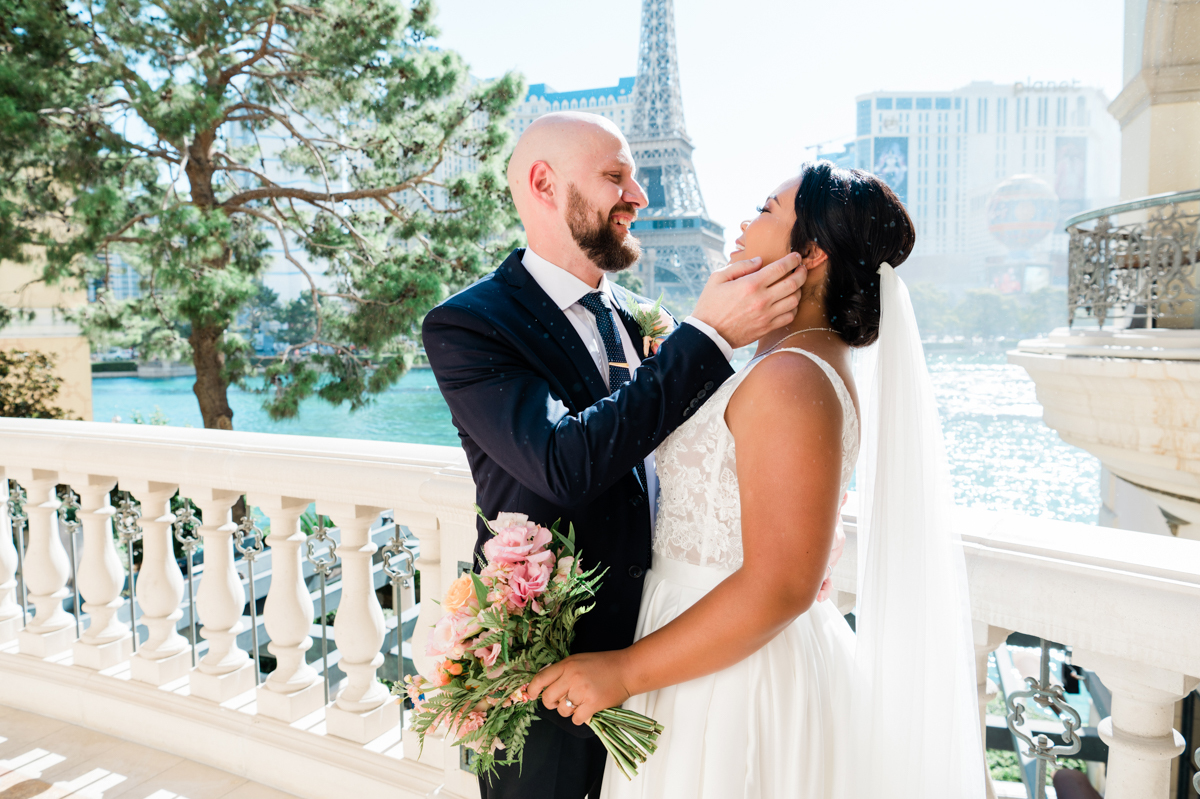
pixel 786 421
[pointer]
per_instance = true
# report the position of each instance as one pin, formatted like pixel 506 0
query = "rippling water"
pixel 1001 455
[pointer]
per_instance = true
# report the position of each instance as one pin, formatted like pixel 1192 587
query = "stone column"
pixel 293 689
pixel 225 670
pixel 364 709
pixel 165 655
pixel 47 567
pixel 1139 733
pixel 107 641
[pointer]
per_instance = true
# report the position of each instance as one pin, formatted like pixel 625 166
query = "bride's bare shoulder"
pixel 785 388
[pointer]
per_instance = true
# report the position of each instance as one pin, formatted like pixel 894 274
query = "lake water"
pixel 1001 454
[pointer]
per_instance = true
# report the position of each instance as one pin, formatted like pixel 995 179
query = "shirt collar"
pixel 563 288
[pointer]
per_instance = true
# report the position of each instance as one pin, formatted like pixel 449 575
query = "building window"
pixel 864 117
pixel 943 103
pixel 981 115
pixel 903 103
pixel 884 103
pixel 924 103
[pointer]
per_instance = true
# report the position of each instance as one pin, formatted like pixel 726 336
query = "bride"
pixel 763 690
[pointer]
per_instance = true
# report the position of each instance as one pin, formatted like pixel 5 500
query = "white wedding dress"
pixel 777 724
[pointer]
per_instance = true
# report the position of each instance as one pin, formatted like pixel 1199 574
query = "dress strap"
pixel 839 385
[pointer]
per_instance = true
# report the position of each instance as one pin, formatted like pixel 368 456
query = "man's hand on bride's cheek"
pixel 590 682
pixel 743 302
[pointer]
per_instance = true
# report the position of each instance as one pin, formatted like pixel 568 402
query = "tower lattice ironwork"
pixel 681 244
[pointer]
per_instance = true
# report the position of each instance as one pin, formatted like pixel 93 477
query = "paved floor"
pixel 48 759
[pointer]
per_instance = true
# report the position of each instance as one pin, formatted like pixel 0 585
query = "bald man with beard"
pixel 541 365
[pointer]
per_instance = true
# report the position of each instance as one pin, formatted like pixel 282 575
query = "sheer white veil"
pixel 916 707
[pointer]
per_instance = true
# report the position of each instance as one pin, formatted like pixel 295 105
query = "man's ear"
pixel 542 184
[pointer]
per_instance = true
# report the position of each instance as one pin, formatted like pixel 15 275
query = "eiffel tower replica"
pixel 681 244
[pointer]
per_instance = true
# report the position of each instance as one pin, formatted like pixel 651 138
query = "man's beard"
pixel 593 232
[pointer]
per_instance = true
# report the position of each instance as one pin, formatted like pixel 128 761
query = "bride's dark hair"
pixel 860 223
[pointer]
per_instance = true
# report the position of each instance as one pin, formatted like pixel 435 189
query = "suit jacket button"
pixel 708 386
pixel 635 572
pixel 702 394
pixel 693 403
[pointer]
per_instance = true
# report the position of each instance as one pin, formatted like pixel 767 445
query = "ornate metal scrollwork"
pixel 249 541
pixel 323 567
pixel 18 518
pixel 185 528
pixel 68 508
pixel 129 532
pixel 399 564
pixel 1041 748
pixel 1144 270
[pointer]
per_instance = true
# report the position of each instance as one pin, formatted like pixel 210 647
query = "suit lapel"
pixel 563 340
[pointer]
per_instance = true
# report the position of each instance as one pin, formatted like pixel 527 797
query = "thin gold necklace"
pixel 775 346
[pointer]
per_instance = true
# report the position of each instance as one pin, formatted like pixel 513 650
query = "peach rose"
pixel 460 592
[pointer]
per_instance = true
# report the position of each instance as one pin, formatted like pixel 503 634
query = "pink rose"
pixel 468 724
pixel 487 655
pixel 450 634
pixel 517 539
pixel 528 582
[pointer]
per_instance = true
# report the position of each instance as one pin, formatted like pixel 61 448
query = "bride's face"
pixel 769 234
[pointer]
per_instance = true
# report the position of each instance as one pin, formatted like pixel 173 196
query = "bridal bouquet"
pixel 500 628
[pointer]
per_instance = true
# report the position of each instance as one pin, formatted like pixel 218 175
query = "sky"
pixel 765 79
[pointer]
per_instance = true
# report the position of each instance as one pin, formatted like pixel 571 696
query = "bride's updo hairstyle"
pixel 859 223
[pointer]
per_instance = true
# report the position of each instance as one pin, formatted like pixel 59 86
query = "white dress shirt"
pixel 565 290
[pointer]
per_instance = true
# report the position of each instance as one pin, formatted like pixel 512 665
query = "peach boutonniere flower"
pixel 654 322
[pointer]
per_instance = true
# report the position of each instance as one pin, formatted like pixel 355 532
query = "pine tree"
pixel 157 132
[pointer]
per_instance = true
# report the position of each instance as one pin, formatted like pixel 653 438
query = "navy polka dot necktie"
pixel 618 370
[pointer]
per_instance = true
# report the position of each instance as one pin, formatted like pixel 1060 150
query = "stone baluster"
pixel 165 656
pixel 1139 733
pixel 987 639
pixel 10 607
pixel 225 670
pixel 428 530
pixel 107 641
pixel 47 567
pixel 364 709
pixel 293 689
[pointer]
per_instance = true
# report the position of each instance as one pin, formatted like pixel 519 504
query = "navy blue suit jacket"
pixel 543 435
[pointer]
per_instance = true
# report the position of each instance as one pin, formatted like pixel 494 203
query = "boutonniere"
pixel 653 321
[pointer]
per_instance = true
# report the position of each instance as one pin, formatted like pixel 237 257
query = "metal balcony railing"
pixel 1140 271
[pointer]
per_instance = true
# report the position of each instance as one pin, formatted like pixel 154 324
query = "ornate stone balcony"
pixel 1117 599
pixel 1123 381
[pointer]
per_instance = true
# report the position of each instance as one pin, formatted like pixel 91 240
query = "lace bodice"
pixel 699 508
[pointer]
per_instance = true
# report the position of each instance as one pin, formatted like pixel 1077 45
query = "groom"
pixel 541 365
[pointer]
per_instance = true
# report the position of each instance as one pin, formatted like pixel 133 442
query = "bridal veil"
pixel 916 707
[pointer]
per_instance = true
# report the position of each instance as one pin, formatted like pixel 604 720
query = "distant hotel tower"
pixel 682 245
pixel 989 172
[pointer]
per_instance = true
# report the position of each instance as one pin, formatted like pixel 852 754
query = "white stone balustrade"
pixel 164 656
pixel 225 670
pixel 47 567
pixel 1123 601
pixel 106 642
pixel 362 710
pixel 294 689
